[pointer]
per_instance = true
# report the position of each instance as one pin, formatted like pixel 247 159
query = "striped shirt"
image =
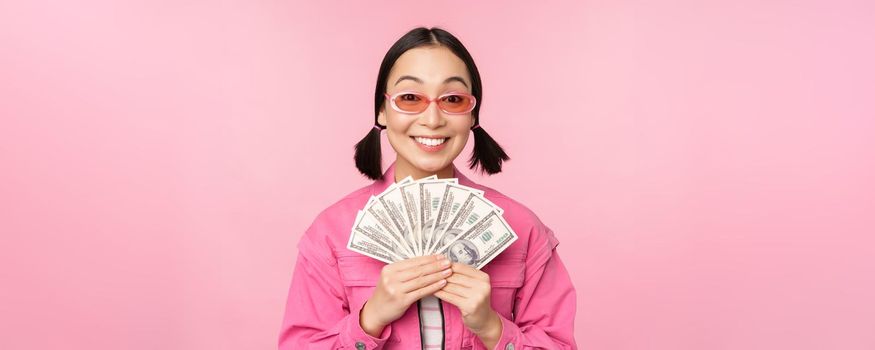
pixel 431 323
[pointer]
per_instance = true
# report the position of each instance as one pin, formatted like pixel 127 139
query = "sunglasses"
pixel 412 102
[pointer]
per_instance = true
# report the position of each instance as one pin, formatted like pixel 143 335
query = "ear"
pixel 381 118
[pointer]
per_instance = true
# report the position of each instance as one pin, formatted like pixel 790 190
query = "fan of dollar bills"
pixel 431 216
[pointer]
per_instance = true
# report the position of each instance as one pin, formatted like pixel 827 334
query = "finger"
pixel 457 289
pixel 463 280
pixel 422 270
pixel 449 297
pixel 425 280
pixel 470 271
pixel 427 290
pixel 419 260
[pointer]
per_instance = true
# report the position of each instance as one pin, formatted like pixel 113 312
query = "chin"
pixel 428 163
pixel 431 167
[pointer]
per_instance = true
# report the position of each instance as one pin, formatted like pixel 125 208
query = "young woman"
pixel 428 99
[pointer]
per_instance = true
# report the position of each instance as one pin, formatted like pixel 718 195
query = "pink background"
pixel 708 166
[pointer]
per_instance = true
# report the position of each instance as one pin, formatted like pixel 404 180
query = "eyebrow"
pixel 453 78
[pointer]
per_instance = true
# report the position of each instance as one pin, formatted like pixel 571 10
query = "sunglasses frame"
pixel 392 98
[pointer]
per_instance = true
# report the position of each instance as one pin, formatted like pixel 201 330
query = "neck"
pixel 404 169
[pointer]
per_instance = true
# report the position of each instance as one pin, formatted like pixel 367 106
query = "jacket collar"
pixel 388 179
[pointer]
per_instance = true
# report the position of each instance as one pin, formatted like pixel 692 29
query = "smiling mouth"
pixel 430 142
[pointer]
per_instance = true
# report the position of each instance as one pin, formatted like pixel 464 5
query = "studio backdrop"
pixel 707 166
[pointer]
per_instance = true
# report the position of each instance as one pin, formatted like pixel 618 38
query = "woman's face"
pixel 432 70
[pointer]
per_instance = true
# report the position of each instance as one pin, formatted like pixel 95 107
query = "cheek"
pixel 461 140
pixel 396 128
pixel 397 123
pixel 397 140
pixel 462 128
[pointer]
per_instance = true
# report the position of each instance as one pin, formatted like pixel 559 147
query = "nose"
pixel 432 116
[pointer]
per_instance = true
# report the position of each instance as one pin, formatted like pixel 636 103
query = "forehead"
pixel 432 64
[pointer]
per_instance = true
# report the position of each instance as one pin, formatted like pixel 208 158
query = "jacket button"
pixel 359 345
pixel 509 346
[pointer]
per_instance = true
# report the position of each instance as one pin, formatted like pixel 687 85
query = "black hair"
pixel 487 154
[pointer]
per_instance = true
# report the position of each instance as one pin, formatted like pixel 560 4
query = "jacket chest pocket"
pixel 506 275
pixel 359 275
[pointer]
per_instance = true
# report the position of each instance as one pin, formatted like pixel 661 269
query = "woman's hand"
pixel 469 290
pixel 402 283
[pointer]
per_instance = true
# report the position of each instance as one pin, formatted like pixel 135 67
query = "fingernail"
pixel 447 271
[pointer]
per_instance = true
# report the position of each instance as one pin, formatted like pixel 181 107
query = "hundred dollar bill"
pixel 418 217
pixel 474 208
pixel 375 209
pixel 410 197
pixel 453 198
pixel 430 195
pixel 482 242
pixel 393 215
pixel 366 238
pixel 381 216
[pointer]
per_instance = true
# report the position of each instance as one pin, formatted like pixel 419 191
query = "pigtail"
pixel 487 153
pixel 368 154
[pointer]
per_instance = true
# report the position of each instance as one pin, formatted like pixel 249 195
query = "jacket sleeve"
pixel 317 314
pixel 545 304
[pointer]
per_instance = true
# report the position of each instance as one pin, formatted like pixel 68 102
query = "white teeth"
pixel 429 142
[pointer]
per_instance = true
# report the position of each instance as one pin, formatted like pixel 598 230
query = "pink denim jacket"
pixel 531 289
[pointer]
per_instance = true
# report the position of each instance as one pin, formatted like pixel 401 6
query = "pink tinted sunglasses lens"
pixel 453 103
pixel 412 103
pixel 456 103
